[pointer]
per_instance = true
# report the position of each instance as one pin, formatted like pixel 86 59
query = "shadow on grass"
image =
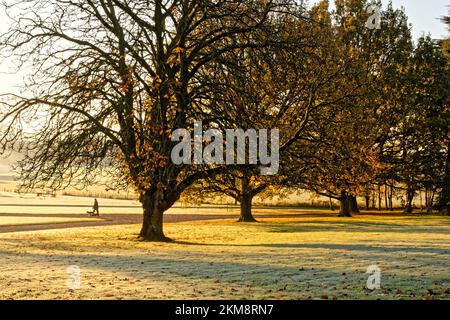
pixel 264 277
pixel 327 246
pixel 158 267
pixel 349 225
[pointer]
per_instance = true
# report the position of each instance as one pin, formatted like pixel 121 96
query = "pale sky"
pixel 423 14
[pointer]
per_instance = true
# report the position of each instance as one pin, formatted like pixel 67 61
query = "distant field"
pixel 29 204
pixel 8 185
pixel 302 198
pixel 13 220
pixel 32 204
pixel 308 257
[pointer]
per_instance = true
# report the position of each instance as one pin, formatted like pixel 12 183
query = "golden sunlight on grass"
pixel 13 220
pixel 307 257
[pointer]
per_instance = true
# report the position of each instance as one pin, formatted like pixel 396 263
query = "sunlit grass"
pixel 12 220
pixel 309 257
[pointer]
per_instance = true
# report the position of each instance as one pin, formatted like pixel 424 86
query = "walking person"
pixel 95 211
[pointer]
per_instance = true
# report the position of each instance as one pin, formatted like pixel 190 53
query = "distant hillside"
pixel 5 163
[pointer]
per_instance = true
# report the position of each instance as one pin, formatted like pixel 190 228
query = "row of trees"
pixel 357 107
pixel 380 118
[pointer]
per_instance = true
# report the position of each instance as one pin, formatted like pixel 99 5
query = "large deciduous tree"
pixel 342 153
pixel 284 94
pixel 110 80
pixel 444 197
pixel 416 148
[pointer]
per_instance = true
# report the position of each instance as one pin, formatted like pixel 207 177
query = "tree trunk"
pixel 374 204
pixel 421 201
pixel 386 197
pixel 152 225
pixel 426 199
pixel 409 200
pixel 345 205
pixel 246 209
pixel 367 202
pixel 379 197
pixel 246 199
pixel 391 196
pixel 331 204
pixel 430 200
pixel 444 197
pixel 353 202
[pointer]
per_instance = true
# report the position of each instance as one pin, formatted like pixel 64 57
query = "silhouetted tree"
pixel 111 79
